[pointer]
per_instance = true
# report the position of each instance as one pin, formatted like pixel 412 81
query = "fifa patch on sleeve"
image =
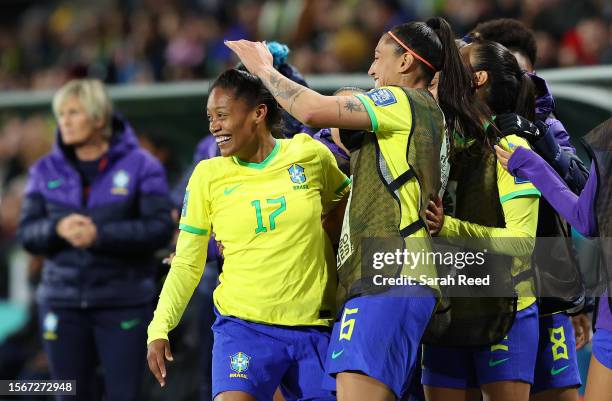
pixel 518 180
pixel 185 202
pixel 382 97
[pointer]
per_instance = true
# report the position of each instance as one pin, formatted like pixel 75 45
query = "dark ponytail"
pixel 525 101
pixel 434 40
pixel 509 89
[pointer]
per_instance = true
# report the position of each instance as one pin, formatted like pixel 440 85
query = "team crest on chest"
pixel 296 173
pixel 121 179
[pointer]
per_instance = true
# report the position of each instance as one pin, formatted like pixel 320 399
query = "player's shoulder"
pixel 513 141
pixel 305 146
pixel 386 95
pixel 301 144
pixel 209 168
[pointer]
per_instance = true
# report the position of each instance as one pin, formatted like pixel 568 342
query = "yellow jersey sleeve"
pixel 188 262
pixel 510 187
pixel 336 185
pixel 183 277
pixel 520 205
pixel 388 108
pixel 195 214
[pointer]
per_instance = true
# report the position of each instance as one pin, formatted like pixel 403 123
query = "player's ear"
pixel 261 111
pixel 405 62
pixel 480 78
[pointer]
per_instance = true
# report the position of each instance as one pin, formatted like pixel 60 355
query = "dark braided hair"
pixel 249 88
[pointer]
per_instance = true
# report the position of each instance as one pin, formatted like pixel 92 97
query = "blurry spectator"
pixel 96 208
pixel 585 44
pixel 46 43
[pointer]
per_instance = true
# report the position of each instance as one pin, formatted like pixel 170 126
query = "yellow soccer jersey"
pixel 391 118
pixel 520 202
pixel 279 266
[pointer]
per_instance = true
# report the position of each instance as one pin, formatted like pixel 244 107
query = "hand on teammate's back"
pixel 582 330
pixel 157 350
pixel 435 216
pixel 512 123
pixel 168 259
pixel 79 230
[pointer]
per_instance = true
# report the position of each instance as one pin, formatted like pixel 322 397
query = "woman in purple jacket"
pixel 97 208
pixel 590 214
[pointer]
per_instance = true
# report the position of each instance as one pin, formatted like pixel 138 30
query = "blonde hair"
pixel 93 96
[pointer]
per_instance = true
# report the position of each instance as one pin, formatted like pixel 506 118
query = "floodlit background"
pixel 157 56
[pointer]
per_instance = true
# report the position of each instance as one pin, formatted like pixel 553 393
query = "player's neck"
pixel 260 151
pixel 413 81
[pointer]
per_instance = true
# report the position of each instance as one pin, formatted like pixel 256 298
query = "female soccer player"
pixel 374 346
pixel 97 208
pixel 508 209
pixel 264 199
pixel 590 214
pixel 556 374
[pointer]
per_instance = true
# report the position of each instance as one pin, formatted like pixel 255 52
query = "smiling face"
pixel 386 69
pixel 76 126
pixel 231 121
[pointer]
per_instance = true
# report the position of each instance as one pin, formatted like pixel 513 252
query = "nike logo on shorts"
pixel 337 354
pixel 555 372
pixel 128 324
pixel 497 362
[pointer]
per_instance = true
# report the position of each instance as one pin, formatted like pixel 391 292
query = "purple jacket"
pixel 555 146
pixel 579 211
pixel 129 204
pixel 545 107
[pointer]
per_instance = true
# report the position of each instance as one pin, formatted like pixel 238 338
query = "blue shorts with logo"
pixel 557 362
pixel 257 358
pixel 379 335
pixel 513 359
pixel 602 347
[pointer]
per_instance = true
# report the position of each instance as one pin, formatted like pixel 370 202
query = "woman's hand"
pixel 156 351
pixel 254 55
pixel 503 156
pixel 435 216
pixel 582 330
pixel 78 230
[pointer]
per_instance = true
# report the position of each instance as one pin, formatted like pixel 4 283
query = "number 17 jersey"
pixel 279 266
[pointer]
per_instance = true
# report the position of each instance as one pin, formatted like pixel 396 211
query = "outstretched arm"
pixel 577 210
pixel 308 106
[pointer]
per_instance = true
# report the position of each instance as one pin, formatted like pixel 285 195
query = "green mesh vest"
pixel 478 320
pixel 373 215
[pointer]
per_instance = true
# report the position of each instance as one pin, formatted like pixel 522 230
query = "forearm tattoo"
pixel 283 87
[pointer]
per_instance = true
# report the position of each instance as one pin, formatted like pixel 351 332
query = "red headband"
pixel 409 50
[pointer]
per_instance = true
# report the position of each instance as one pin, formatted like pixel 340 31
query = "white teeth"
pixel 222 139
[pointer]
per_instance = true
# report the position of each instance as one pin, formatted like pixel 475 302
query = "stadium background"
pixel 157 56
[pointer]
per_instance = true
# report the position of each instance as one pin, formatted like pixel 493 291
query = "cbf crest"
pixel 50 326
pixel 239 363
pixel 296 173
pixel 121 179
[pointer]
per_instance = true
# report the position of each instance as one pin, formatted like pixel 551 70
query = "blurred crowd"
pixel 42 44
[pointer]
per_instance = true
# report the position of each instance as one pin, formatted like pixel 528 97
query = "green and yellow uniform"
pixel 390 114
pixel 279 264
pixel 520 201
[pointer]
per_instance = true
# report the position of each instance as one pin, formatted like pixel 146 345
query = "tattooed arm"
pixel 308 106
